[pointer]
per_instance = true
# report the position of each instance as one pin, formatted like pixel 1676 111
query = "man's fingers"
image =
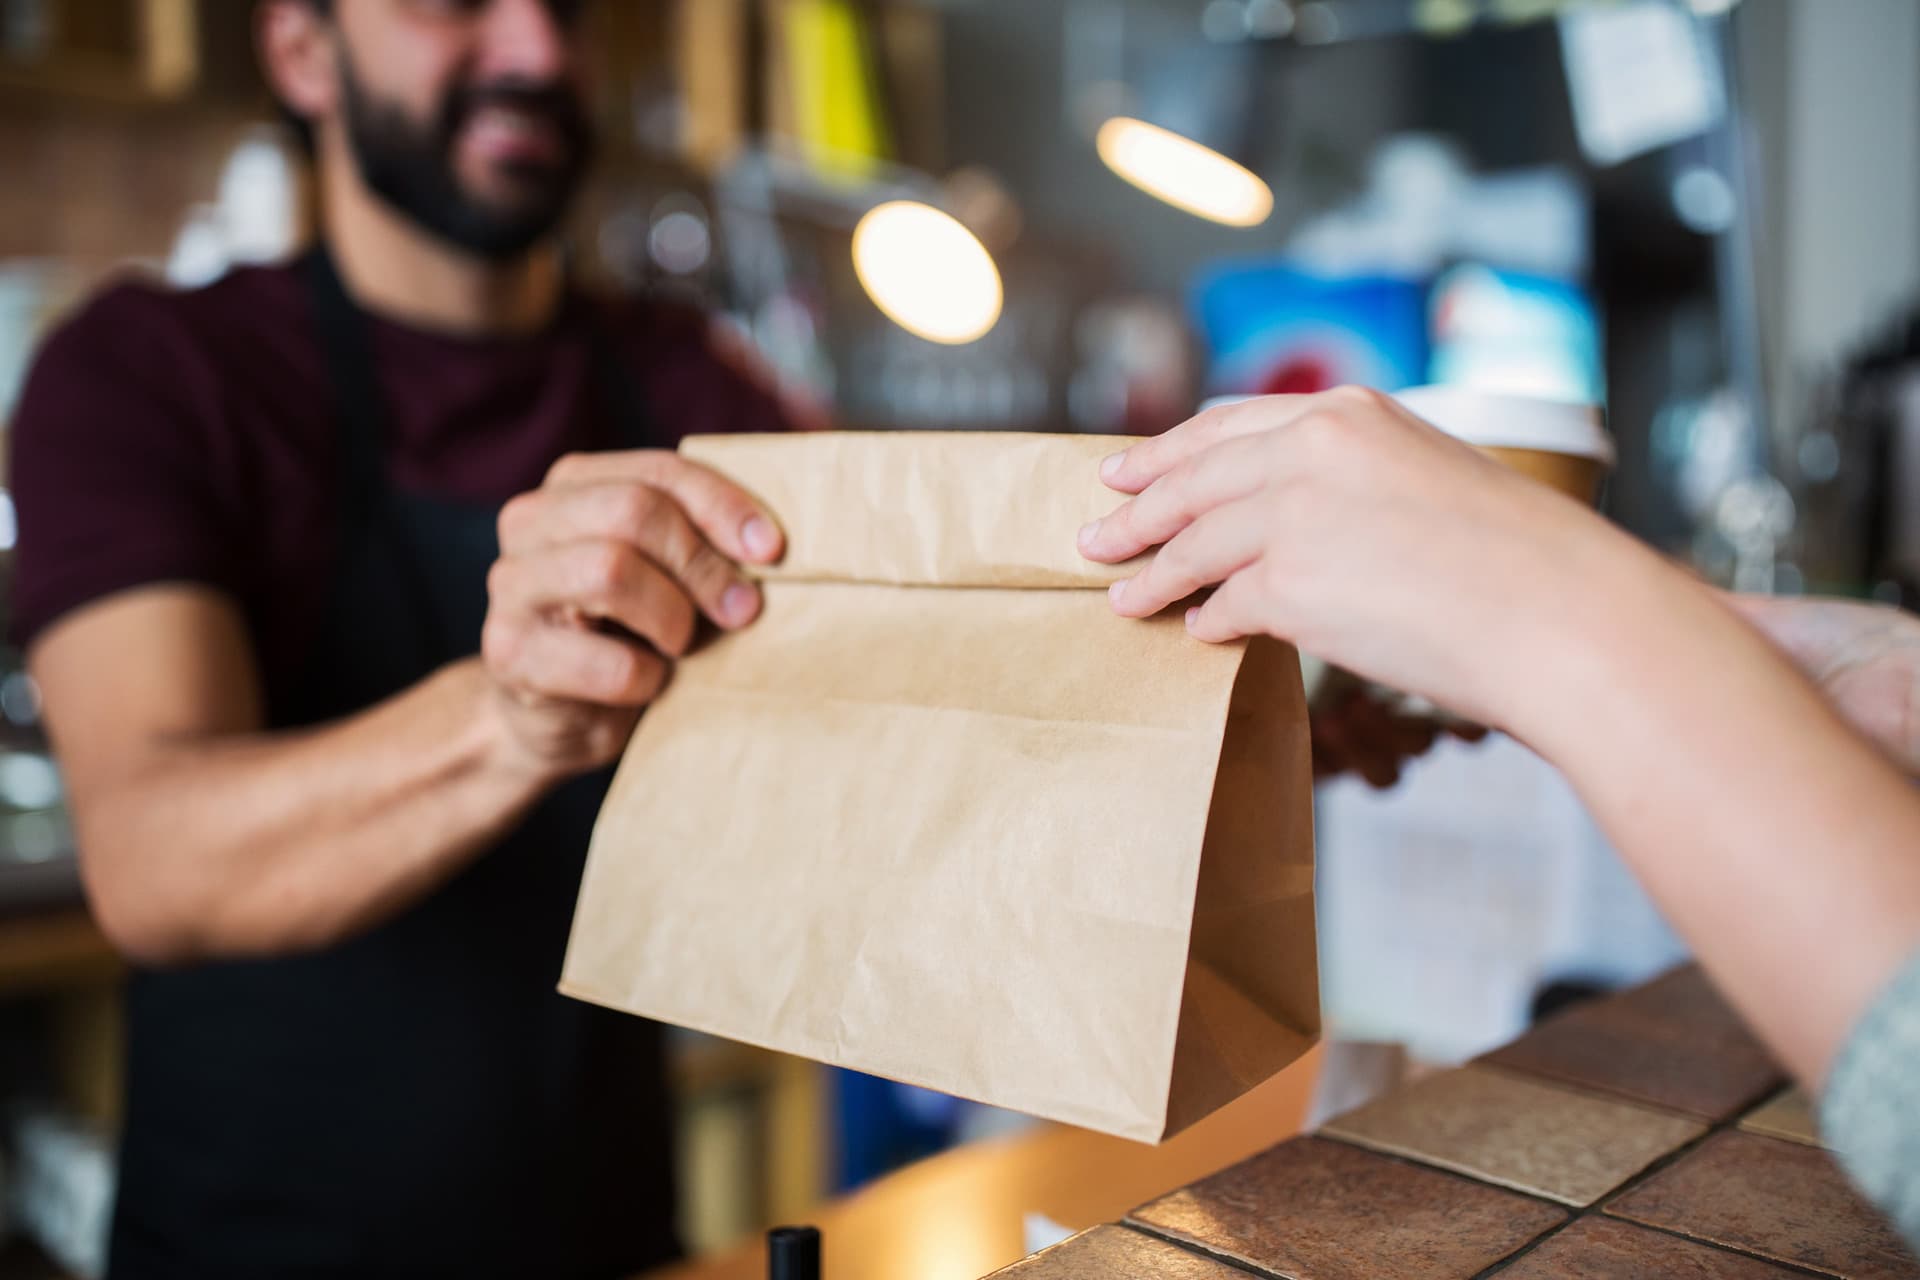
pixel 640 517
pixel 598 580
pixel 550 661
pixel 1381 769
pixel 730 517
pixel 1400 736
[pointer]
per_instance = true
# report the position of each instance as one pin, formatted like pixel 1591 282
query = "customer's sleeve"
pixel 1870 1111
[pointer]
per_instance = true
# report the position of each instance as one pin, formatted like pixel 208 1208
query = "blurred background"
pixel 1090 215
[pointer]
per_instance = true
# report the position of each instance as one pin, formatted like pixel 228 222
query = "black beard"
pixel 410 165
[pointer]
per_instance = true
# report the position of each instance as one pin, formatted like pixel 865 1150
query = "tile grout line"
pixel 1631 1182
pixel 1598 1093
pixel 1416 1163
pixel 1792 1268
pixel 1526 1249
pixel 1197 1249
pixel 1598 1209
pixel 1593 1210
pixel 1574 1212
pixel 1606 1093
pixel 1730 1124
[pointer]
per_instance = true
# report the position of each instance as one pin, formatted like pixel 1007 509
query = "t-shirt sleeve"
pixel 112 462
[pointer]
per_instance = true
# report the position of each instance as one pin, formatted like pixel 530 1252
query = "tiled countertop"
pixel 1644 1134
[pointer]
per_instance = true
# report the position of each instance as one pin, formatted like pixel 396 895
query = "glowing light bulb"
pixel 1183 173
pixel 927 272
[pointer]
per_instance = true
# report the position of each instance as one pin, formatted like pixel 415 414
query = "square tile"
pixel 1314 1209
pixel 1781 1200
pixel 1107 1252
pixel 1602 1249
pixel 1518 1132
pixel 1672 1044
pixel 1788 1115
pixel 1685 992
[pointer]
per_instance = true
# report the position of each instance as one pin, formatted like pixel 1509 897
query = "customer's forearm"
pixel 1783 846
pixel 279 842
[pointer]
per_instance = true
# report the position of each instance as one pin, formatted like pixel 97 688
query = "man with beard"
pixel 335 705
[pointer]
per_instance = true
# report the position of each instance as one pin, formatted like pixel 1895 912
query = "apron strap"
pixel 360 409
pixel 365 431
pixel 367 504
pixel 620 396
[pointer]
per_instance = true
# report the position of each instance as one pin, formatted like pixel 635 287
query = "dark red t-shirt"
pixel 191 436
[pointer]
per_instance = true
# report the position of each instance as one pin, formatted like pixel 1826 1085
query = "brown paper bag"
pixel 940 816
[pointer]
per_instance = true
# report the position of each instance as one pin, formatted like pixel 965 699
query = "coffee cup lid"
pixel 1493 421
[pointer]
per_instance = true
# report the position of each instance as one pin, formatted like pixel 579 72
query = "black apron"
pixel 417 1101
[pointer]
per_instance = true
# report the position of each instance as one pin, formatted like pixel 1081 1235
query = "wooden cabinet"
pixel 754 1138
pixel 112 49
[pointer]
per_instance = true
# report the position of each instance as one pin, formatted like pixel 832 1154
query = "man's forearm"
pixel 275 842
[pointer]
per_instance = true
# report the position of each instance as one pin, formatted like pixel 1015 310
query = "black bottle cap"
pixel 793 1253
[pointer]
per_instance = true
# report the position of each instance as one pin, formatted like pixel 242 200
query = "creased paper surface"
pixel 939 815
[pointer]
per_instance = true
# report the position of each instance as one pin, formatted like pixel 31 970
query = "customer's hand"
pixel 603 574
pixel 1864 657
pixel 1371 539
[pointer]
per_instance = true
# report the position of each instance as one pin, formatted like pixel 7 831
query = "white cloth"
pixel 1446 903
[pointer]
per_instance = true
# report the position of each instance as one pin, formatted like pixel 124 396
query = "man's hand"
pixel 1354 732
pixel 278 842
pixel 604 573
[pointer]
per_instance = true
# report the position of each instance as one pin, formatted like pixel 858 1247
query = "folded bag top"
pixel 919 509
